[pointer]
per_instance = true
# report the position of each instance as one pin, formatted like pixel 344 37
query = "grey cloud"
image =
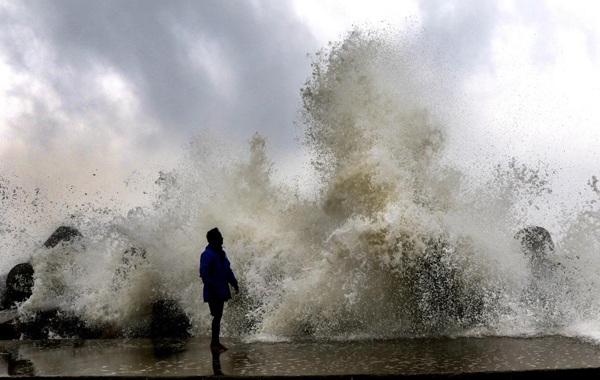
pixel 461 31
pixel 536 14
pixel 547 21
pixel 148 43
pixel 592 44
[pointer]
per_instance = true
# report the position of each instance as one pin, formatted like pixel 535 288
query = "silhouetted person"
pixel 216 274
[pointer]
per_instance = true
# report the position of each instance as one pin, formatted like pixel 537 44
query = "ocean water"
pixel 385 238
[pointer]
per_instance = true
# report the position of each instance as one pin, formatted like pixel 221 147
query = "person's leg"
pixel 216 328
pixel 216 310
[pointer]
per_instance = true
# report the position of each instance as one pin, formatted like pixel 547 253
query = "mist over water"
pixel 393 239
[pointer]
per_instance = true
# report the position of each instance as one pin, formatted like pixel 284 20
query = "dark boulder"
pixel 535 241
pixel 19 285
pixel 169 320
pixel 8 325
pixel 536 245
pixel 62 234
pixel 19 281
pixel 2 289
pixel 55 323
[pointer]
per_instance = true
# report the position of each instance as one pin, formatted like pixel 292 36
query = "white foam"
pixel 393 241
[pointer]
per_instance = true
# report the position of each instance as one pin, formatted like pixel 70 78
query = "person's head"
pixel 214 237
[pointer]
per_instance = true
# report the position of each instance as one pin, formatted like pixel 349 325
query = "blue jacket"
pixel 216 274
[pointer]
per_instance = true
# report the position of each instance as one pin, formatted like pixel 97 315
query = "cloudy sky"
pixel 95 92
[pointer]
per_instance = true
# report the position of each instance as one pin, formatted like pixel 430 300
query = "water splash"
pixel 397 241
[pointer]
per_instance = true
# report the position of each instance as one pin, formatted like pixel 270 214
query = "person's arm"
pixel 205 264
pixel 231 277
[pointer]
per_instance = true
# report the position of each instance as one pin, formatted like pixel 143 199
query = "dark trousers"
pixel 216 310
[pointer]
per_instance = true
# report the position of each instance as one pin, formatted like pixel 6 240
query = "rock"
pixel 8 316
pixel 19 284
pixel 535 241
pixel 62 234
pixel 105 331
pixel 8 325
pixel 19 281
pixel 2 289
pixel 19 287
pixel 537 246
pixel 50 324
pixel 169 320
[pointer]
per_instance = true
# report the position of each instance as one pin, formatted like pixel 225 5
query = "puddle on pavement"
pixel 187 357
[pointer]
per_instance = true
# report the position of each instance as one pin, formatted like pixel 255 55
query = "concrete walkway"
pixel 549 357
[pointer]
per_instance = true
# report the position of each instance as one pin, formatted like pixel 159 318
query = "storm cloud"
pixel 143 74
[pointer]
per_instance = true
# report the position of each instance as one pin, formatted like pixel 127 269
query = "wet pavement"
pixel 191 357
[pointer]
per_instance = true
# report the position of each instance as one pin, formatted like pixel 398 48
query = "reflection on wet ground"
pixel 192 357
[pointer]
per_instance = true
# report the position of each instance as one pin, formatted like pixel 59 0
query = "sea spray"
pixel 397 240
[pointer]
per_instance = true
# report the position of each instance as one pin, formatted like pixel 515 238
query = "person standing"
pixel 216 274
